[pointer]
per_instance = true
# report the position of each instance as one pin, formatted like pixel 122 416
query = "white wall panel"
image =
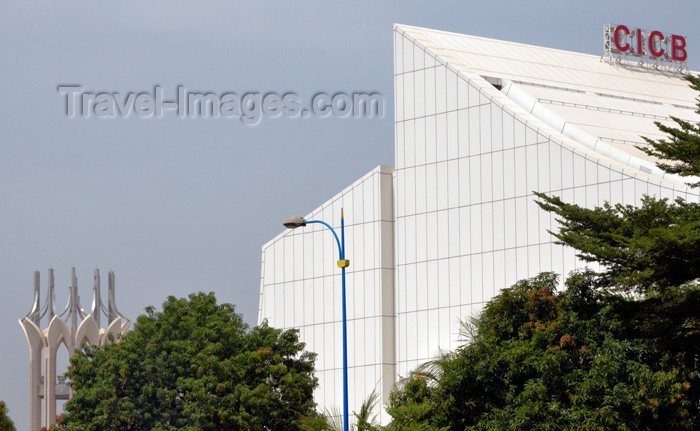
pixel 485 128
pixel 441 137
pixel 440 89
pixel 521 171
pixel 474 131
pixel 496 128
pixel 419 141
pixel 474 180
pixel 486 178
pixel 443 234
pixel 452 135
pixel 463 132
pixel 453 220
pixel 419 93
pixel 443 283
pixel 497 175
pixel 408 94
pixel 398 147
pixel 567 169
pixel 476 229
pixel 398 53
pixel 433 284
pixel 407 56
pixel 421 238
pixel 522 263
pixel 454 275
pixel 554 168
pixel 465 230
pixel 409 195
pixel 519 133
pixel 463 181
pixel 530 136
pixel 453 183
pixel 420 190
pixel 474 96
pixel 579 171
pixel 409 145
pixel 508 131
pixel 410 286
pixel 451 90
pixel 418 58
pixel 430 91
pixel 465 283
pixel 477 279
pixel 462 93
pixel 488 289
pixel 442 185
pixel 432 235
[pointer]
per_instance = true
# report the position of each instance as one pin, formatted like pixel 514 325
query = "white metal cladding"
pixel 480 124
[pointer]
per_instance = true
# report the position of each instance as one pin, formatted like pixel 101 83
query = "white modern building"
pixel 480 125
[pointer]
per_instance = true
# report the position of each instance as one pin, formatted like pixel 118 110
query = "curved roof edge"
pixel 533 106
pixel 531 111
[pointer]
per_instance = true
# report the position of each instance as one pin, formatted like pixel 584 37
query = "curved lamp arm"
pixel 341 252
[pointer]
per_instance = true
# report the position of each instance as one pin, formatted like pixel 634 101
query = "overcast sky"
pixel 177 205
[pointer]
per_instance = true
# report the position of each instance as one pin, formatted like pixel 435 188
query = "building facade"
pixel 480 125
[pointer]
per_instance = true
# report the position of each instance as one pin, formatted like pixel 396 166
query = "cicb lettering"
pixel 650 44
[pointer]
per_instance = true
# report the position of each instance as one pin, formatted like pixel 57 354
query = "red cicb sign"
pixel 653 45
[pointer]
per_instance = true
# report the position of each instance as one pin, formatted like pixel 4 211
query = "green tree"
pixel 6 423
pixel 415 405
pixel 654 246
pixel 194 365
pixel 543 360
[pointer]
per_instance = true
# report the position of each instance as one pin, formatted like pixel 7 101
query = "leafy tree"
pixel 415 405
pixel 543 360
pixel 6 423
pixel 58 426
pixel 192 366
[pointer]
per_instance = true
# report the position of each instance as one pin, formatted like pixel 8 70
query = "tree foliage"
pixel 653 246
pixel 193 365
pixel 576 360
pixel 6 423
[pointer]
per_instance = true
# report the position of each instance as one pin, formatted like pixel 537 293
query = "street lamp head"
pixel 294 222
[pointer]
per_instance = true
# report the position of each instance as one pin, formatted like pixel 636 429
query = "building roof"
pixel 614 103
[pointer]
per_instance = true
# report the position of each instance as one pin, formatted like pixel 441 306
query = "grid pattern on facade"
pixel 468 160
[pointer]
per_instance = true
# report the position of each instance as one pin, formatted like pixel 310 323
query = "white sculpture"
pixel 72 328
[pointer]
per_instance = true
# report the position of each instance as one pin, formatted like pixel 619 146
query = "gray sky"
pixel 177 205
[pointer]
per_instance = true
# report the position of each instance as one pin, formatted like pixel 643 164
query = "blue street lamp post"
pixel 295 222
